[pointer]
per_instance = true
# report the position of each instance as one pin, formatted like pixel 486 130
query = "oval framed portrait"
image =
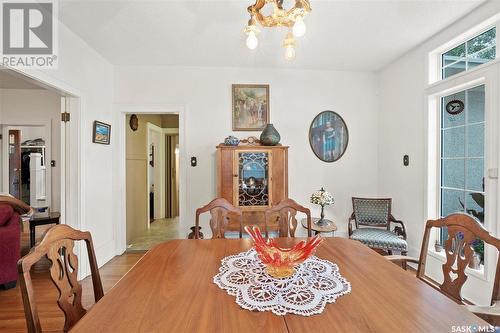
pixel 328 136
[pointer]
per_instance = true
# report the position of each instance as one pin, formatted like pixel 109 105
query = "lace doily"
pixel 315 283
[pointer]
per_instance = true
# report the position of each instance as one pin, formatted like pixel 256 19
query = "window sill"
pixel 478 273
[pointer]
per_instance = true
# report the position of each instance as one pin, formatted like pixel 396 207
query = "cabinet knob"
pixel 235 175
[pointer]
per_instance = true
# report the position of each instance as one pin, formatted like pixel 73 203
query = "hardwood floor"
pixel 51 317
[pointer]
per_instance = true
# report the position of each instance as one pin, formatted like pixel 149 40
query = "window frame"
pixel 435 60
pixel 466 57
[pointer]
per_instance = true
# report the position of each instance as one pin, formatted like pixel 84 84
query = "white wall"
pixel 296 97
pixel 35 132
pixel 402 130
pixel 37 107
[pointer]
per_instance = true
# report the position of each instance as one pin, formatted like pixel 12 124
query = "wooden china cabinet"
pixel 253 178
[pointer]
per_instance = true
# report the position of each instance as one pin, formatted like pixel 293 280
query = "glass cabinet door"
pixel 253 178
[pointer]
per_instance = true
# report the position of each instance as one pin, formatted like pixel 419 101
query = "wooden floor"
pixel 51 317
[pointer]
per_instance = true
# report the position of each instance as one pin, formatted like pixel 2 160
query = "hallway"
pixel 160 231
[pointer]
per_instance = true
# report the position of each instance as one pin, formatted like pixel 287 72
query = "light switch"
pixel 493 173
pixel 406 160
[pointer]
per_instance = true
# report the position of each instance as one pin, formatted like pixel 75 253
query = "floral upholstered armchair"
pixel 372 219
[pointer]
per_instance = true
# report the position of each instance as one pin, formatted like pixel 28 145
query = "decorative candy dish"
pixel 281 262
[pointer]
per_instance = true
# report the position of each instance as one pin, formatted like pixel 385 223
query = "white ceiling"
pixel 341 35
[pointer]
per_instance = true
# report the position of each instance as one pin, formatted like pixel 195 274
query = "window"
pixel 472 53
pixel 462 154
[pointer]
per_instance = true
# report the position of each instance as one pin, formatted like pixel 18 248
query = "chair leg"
pixel 403 264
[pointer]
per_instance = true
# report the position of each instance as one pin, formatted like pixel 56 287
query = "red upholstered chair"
pixel 10 245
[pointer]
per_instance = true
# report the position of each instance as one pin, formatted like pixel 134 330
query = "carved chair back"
pixel 285 214
pixel 463 231
pixel 57 245
pixel 221 213
pixel 373 212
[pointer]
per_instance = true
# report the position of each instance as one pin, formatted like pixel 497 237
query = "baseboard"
pixel 105 253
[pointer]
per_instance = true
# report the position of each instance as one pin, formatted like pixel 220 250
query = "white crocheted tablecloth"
pixel 315 283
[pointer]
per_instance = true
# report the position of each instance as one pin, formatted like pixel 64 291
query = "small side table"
pixel 53 218
pixel 329 227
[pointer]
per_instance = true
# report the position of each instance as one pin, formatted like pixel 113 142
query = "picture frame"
pixel 328 136
pixel 250 107
pixel 101 133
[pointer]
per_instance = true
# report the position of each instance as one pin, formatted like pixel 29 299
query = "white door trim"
pixel 489 76
pixel 119 178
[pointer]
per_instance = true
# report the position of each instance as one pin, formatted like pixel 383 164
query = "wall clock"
pixel 455 107
pixel 134 122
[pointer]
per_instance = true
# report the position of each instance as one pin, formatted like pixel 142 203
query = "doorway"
pixel 27 151
pixel 36 163
pixel 31 138
pixel 152 179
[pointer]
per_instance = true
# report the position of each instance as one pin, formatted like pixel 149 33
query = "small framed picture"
pixel 101 133
pixel 250 107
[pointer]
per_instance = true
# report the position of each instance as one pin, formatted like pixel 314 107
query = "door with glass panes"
pixel 462 181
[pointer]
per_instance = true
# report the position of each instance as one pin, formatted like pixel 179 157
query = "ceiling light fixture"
pixel 252 32
pixel 293 19
pixel 289 45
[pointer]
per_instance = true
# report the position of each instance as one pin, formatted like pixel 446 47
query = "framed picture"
pixel 250 107
pixel 328 136
pixel 101 133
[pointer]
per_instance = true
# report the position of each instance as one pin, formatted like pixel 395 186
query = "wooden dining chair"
pixel 284 213
pixel 463 230
pixel 221 213
pixel 57 245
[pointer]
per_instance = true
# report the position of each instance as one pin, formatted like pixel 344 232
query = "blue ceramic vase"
pixel 231 141
pixel 269 136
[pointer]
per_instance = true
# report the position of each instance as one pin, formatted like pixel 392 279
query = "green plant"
pixel 477 244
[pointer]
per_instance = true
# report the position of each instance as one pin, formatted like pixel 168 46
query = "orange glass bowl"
pixel 280 262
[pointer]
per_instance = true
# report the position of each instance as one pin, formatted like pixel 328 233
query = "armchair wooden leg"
pixel 403 263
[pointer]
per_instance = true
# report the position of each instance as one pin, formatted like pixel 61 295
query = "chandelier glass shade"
pixel 291 19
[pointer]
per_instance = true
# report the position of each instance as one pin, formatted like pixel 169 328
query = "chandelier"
pixel 292 19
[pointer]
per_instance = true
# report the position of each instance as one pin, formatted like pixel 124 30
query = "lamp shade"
pixel 322 198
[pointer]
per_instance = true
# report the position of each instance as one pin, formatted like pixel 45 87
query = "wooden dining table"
pixel 171 289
